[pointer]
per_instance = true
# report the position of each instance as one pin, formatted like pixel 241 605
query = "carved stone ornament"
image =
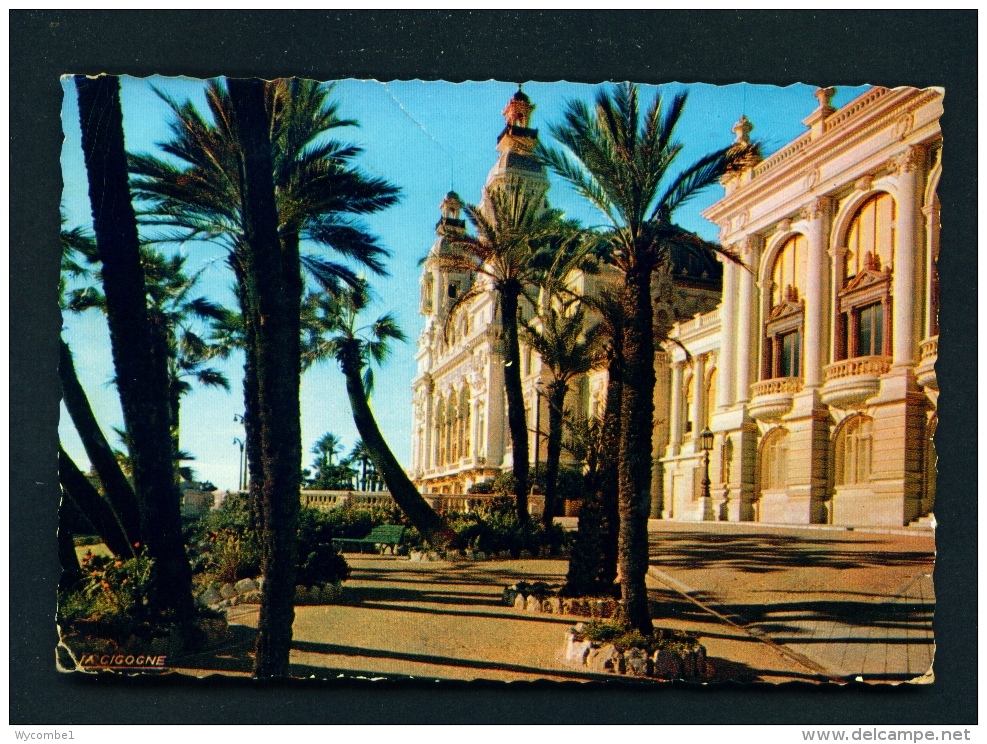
pixel 785 225
pixel 818 207
pixel 811 179
pixel 903 125
pixel 864 183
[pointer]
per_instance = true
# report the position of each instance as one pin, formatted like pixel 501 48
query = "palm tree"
pixel 319 196
pixel 328 446
pixel 593 561
pixel 568 348
pixel 357 348
pixel 168 288
pixel 517 239
pixel 141 375
pixel 361 456
pixel 623 167
pixel 272 273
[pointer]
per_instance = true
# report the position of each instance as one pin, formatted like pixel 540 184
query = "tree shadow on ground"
pixel 765 553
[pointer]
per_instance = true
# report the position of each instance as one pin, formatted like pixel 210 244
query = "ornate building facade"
pixel 812 363
pixel 816 372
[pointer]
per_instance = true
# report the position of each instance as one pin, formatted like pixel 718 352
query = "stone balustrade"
pixel 772 399
pixel 869 365
pixel 929 348
pixel 850 382
pixel 777 385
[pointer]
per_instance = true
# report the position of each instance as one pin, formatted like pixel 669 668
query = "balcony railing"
pixel 870 365
pixel 929 348
pixel 852 381
pixel 777 385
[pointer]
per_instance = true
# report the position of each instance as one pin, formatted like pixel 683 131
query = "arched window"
pixel 774 460
pixel 710 400
pixel 852 450
pixel 526 361
pixel 452 420
pixel 428 287
pixel 783 329
pixel 440 430
pixel 863 321
pixel 464 422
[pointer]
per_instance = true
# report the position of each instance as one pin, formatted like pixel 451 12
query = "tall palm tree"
pixel 568 348
pixel 141 375
pixel 621 162
pixel 272 272
pixel 517 239
pixel 319 194
pixel 357 349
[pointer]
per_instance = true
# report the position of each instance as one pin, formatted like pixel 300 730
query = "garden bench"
pixel 383 534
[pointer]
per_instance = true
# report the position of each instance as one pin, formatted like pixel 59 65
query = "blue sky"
pixel 425 137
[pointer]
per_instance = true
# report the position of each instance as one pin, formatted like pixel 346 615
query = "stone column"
pixel 903 281
pixel 745 317
pixel 931 217
pixel 698 397
pixel 728 316
pixel 818 238
pixel 675 419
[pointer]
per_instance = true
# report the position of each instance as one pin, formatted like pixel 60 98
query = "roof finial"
pixel 824 96
pixel 742 130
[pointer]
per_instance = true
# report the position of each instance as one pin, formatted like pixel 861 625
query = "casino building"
pixel 812 364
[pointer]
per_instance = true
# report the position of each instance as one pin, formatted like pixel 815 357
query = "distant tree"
pixel 568 347
pixel 516 240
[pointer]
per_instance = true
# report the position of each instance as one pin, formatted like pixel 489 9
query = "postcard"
pixel 498 381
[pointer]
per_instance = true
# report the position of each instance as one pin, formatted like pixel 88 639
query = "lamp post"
pixel 237 440
pixel 244 479
pixel 706 443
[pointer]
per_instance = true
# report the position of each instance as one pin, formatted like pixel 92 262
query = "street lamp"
pixel 237 440
pixel 706 443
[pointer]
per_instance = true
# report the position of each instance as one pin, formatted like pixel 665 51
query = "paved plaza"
pixel 769 604
pixel 846 603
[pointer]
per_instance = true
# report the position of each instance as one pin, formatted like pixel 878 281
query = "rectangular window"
pixel 791 353
pixel 870 336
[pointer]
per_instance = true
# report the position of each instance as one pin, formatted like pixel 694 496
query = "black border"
pixel 888 48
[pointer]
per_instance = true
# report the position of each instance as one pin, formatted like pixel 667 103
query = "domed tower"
pixel 516 145
pixel 439 286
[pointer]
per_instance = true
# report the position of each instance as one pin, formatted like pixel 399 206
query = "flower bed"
pixel 608 648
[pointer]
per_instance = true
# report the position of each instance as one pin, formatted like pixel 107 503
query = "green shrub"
pixel 318 560
pixel 615 632
pixel 493 530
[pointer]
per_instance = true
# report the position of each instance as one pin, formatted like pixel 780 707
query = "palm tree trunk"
pixel 273 301
pixel 403 491
pixel 251 402
pixel 637 410
pixel 516 419
pixel 610 469
pixel 95 508
pixel 115 484
pixel 142 380
pixel 556 400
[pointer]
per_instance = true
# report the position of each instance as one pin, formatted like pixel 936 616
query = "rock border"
pixel 248 591
pixel 664 664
